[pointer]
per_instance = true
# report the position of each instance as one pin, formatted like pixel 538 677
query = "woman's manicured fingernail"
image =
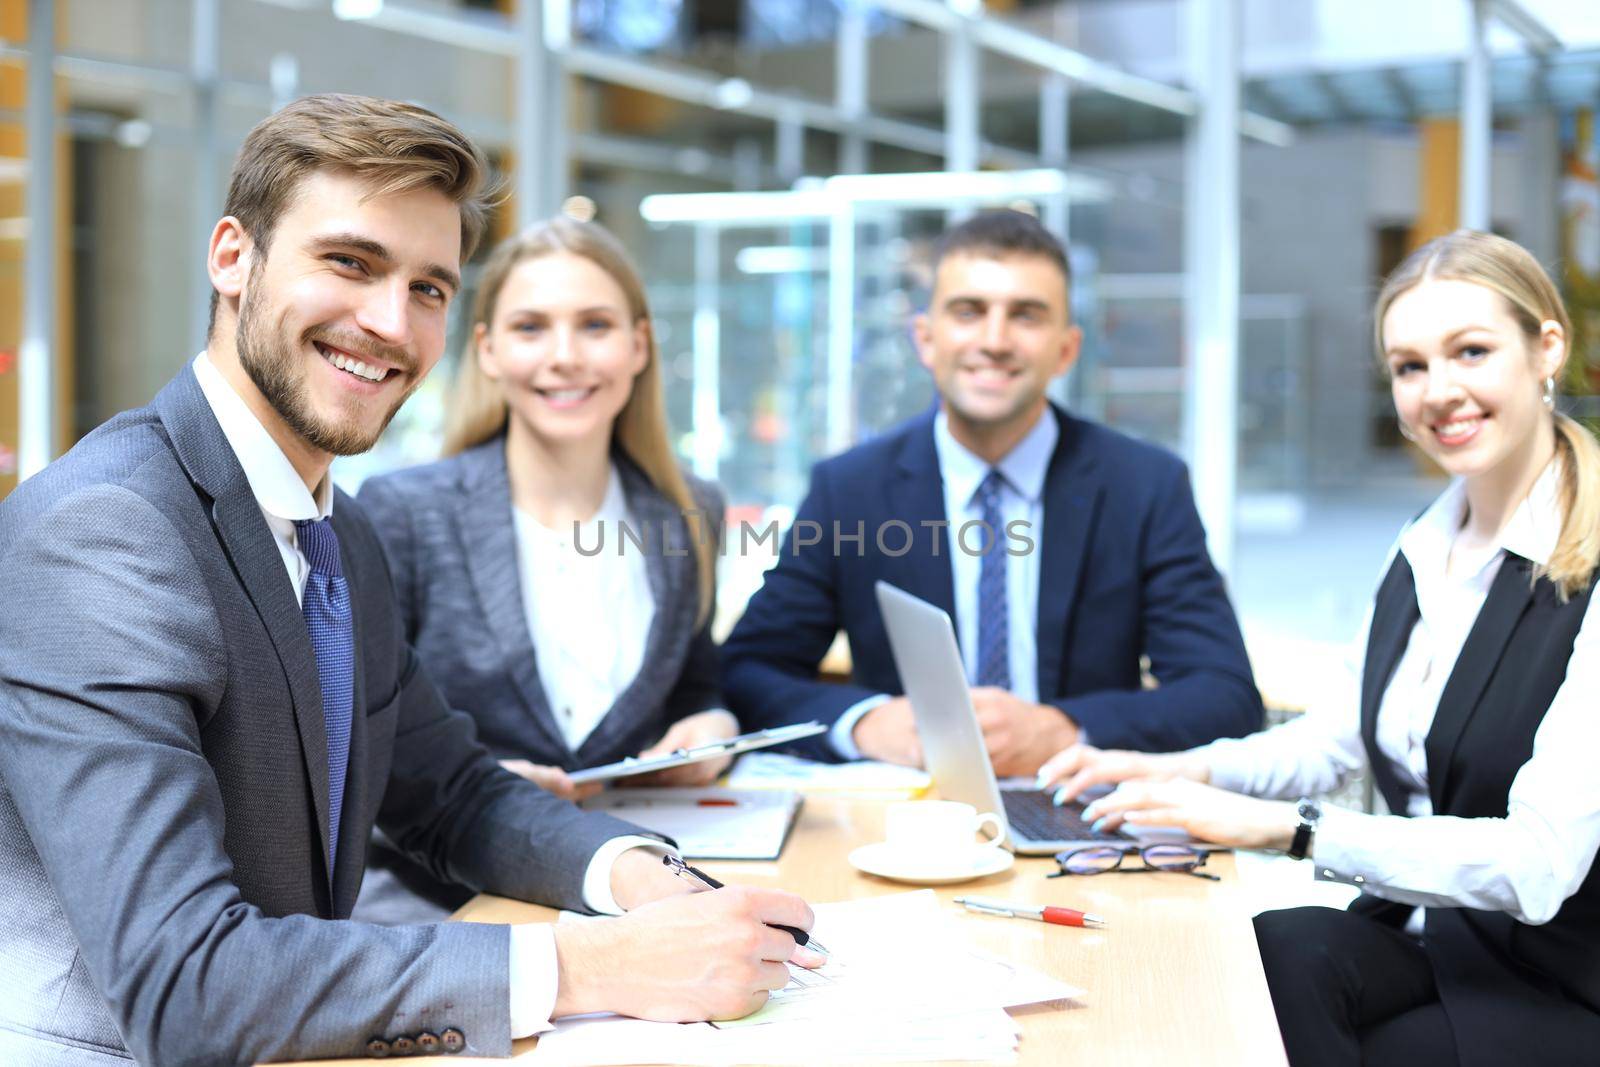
pixel 1042 780
pixel 1060 798
pixel 1099 826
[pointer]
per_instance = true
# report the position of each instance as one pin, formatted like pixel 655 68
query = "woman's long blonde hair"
pixel 478 412
pixel 1510 270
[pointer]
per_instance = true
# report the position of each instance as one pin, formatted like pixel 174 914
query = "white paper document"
pixel 593 1040
pixel 902 984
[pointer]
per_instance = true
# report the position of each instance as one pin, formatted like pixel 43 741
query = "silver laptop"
pixel 929 662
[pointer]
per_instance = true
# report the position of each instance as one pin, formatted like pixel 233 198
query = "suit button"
pixel 403 1046
pixel 378 1048
pixel 428 1044
pixel 453 1040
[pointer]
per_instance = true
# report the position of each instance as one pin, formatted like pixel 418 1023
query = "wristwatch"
pixel 1310 813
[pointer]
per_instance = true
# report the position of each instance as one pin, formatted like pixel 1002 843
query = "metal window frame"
pixel 539 39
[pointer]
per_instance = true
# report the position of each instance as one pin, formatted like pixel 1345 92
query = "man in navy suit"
pixel 1065 552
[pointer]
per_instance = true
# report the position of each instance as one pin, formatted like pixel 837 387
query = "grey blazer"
pixel 452 545
pixel 164 789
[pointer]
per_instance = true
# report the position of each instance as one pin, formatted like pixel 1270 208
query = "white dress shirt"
pixel 589 612
pixel 1526 864
pixel 284 499
pixel 1022 499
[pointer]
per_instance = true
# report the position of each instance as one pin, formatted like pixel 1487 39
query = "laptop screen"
pixel 929 662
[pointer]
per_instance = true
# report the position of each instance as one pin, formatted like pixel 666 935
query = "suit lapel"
pixel 1394 616
pixel 243 532
pixel 1509 597
pixel 1071 501
pixel 489 537
pixel 916 495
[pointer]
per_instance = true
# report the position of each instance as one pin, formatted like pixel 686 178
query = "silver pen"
pixel 1045 913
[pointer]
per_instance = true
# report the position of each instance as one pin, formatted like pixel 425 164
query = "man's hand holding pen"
pixel 684 958
pixel 696 876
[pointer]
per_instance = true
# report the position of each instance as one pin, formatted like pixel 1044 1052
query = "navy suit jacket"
pixel 1125 574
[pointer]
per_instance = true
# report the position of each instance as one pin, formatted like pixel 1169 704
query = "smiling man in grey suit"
pixel 206 700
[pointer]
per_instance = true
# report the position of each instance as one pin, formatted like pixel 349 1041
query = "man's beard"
pixel 279 372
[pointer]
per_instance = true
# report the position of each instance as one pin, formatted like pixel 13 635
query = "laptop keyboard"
pixel 1032 816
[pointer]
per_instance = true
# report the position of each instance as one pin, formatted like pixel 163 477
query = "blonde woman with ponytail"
pixel 556 569
pixel 1473 701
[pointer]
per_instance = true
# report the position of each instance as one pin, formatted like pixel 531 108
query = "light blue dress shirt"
pixel 1022 500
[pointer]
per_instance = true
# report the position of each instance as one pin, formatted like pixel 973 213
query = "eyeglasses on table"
pixel 1104 859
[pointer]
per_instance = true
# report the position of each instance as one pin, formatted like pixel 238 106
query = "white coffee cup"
pixel 928 829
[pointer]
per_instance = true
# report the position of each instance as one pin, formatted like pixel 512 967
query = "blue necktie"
pixel 326 607
pixel 994 613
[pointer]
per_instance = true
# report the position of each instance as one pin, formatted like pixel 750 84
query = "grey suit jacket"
pixel 164 787
pixel 452 544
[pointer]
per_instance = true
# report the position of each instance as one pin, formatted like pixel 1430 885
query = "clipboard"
pixel 731 746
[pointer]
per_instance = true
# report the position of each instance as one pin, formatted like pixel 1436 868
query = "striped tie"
pixel 994 613
pixel 326 607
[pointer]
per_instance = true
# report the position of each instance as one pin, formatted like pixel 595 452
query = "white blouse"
pixel 589 612
pixel 1526 864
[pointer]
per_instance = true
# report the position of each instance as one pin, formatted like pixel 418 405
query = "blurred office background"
pixel 1234 177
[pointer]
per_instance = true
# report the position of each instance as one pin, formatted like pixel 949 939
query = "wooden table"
pixel 1174 978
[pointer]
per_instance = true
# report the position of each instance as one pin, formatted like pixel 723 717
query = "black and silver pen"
pixel 699 877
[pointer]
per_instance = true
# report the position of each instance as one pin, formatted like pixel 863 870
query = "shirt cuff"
pixel 1336 847
pixel 534 973
pixel 597 878
pixel 845 724
pixel 533 978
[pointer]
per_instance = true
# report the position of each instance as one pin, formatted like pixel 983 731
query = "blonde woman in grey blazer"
pixel 556 571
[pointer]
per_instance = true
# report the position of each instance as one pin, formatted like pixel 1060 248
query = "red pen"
pixel 1039 912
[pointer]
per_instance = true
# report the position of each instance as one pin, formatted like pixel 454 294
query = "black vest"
pixel 1513 992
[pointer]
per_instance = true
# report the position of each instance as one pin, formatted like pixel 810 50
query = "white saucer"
pixel 879 859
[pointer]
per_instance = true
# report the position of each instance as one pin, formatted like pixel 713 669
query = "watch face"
pixel 1309 810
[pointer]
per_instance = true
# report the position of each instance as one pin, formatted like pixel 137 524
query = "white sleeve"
pixel 1526 864
pixel 534 974
pixel 1311 754
pixel 533 977
pixel 597 876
